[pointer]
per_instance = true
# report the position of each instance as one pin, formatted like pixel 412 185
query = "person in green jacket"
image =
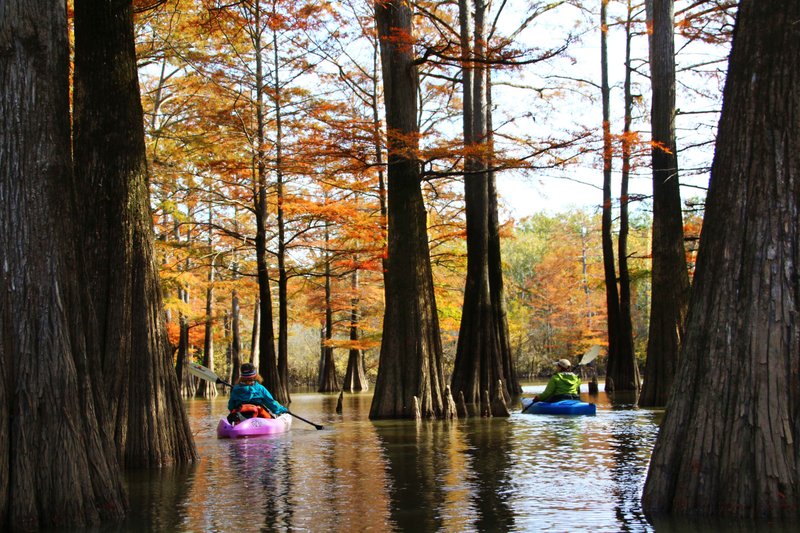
pixel 563 385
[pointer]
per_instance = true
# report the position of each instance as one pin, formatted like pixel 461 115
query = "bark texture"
pixel 483 360
pixel 60 470
pixel 729 440
pixel 150 425
pixel 670 278
pixel 411 351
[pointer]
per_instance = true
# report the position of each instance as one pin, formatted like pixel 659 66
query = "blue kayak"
pixel 563 407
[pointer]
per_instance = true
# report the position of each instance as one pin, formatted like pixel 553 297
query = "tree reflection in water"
pixel 489 450
pixel 523 473
pixel 416 463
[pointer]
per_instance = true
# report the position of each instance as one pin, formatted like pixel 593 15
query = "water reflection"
pixel 525 473
pixel 489 450
pixel 417 463
pixel 722 525
pixel 622 400
pixel 631 440
pixel 159 497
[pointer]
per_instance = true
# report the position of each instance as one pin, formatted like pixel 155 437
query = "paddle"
pixel 205 373
pixel 590 356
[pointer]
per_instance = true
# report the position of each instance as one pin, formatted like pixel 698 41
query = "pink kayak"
pixel 254 427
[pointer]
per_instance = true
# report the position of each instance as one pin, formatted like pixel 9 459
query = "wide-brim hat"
pixel 564 363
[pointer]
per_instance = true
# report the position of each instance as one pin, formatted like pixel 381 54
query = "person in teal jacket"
pixel 563 385
pixel 248 390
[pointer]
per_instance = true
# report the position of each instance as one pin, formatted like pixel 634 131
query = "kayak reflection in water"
pixel 563 385
pixel 249 398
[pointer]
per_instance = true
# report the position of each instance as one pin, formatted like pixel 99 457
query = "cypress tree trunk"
pixel 378 145
pixel 621 373
pixel 625 321
pixel 268 364
pixel 59 466
pixel 255 336
pixel 729 441
pixel 236 337
pixel 283 279
pixel 354 378
pixel 150 424
pixel 410 375
pixel 480 358
pixel 609 268
pixel 496 288
pixel 327 376
pixel 187 383
pixel 670 278
pixel 206 389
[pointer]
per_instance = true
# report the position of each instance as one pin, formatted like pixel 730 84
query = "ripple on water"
pixel 524 473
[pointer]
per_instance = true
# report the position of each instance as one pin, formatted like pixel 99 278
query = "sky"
pixel 580 185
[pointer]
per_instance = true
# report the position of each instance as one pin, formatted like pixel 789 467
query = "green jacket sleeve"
pixel 549 389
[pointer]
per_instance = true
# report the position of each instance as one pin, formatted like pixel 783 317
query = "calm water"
pixel 526 473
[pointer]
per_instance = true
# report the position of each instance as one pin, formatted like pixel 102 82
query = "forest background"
pixel 204 68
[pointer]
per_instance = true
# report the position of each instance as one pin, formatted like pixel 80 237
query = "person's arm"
pixel 233 401
pixel 269 402
pixel 548 391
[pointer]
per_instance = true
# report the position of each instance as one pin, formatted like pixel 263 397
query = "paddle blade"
pixel 590 356
pixel 202 372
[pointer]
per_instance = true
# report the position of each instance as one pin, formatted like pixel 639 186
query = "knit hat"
pixel 564 363
pixel 248 371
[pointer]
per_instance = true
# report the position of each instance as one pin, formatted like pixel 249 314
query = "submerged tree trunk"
pixel 283 279
pixel 496 286
pixel 622 374
pixel 151 428
pixel 268 364
pixel 729 445
pixel 482 349
pixel 670 278
pixel 609 268
pixel 625 320
pixel 354 378
pixel 187 383
pixel 327 375
pixel 410 375
pixel 206 389
pixel 59 464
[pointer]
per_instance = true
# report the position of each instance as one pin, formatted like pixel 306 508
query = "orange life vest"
pixel 249 410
